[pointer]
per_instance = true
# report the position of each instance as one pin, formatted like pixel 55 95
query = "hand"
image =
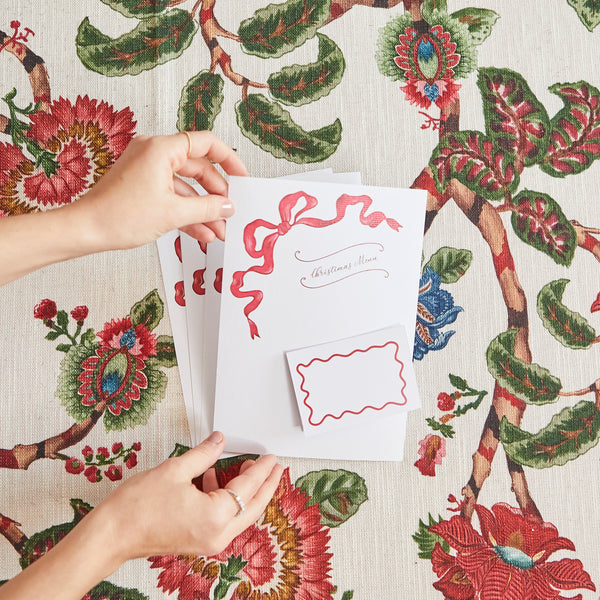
pixel 141 198
pixel 161 511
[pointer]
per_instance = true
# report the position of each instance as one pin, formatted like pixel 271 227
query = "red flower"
pixel 131 460
pixel 285 554
pixel 104 451
pixel 116 447
pixel 87 451
pixel 508 560
pixel 85 138
pixel 432 448
pixel 114 472
pixel 80 313
pixel 445 401
pixel 138 341
pixel 92 473
pixel 74 465
pixel 137 446
pixel 46 309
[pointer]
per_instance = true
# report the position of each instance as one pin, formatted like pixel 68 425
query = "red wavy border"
pixel 346 356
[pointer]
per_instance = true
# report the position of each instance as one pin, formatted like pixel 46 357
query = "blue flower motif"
pixel 434 310
pixel 128 339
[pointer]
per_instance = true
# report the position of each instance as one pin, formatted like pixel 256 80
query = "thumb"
pixel 203 456
pixel 203 209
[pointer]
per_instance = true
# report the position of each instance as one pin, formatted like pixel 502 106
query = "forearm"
pixel 32 241
pixel 86 556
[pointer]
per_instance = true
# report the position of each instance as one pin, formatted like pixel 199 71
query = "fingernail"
pixel 216 437
pixel 226 209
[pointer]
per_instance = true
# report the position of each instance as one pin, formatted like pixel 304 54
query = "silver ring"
pixel 238 501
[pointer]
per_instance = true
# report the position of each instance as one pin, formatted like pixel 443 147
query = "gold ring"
pixel 189 139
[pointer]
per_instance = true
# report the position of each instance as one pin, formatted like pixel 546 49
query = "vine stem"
pixel 592 388
pixel 22 455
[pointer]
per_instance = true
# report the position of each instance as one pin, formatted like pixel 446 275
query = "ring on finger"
pixel 238 501
pixel 189 139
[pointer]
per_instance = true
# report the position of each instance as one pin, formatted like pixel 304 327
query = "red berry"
pixel 114 472
pixel 46 309
pixel 445 401
pixel 79 313
pixel 104 451
pixel 92 474
pixel 131 460
pixel 74 465
pixel 116 447
pixel 137 446
pixel 87 451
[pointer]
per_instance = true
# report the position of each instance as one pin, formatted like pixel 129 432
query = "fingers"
pixel 248 483
pixel 206 143
pixel 205 174
pixel 203 209
pixel 201 457
pixel 209 481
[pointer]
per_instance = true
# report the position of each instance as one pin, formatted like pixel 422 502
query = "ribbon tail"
pixel 256 295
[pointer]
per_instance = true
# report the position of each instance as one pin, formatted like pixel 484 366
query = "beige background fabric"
pixel 373 553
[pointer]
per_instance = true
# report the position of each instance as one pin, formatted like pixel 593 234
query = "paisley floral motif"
pixel 435 310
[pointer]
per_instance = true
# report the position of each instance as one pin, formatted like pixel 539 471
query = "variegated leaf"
pixel 529 382
pixel 575 130
pixel 570 433
pixel 476 161
pixel 566 325
pixel 479 21
pixel 514 118
pixel 279 28
pixel 540 222
pixel 588 12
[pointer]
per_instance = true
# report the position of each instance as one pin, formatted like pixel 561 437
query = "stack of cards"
pixel 295 336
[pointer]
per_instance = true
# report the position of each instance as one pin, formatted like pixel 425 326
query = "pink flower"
pixel 104 451
pixel 74 465
pixel 432 448
pixel 509 559
pixel 84 138
pixel 131 460
pixel 80 313
pixel 87 451
pixel 114 472
pixel 286 555
pixel 445 401
pixel 116 447
pixel 46 309
pixel 139 341
pixel 137 446
pixel 92 473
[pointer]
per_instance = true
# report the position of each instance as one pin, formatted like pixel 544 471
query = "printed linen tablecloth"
pixel 492 107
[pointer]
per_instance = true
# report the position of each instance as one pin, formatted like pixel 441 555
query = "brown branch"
pixel 586 240
pixel 504 404
pixel 593 388
pixel 11 531
pixel 21 456
pixel 341 7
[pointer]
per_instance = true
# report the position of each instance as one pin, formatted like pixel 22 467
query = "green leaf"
pixel 450 263
pixel 62 319
pixel 279 28
pixel 529 382
pixel 479 21
pixel 458 382
pixel 165 351
pixel 566 325
pixel 300 84
pixel 53 335
pixel 200 102
pixel 107 591
pixel 152 42
pixel 39 543
pixel 148 311
pixel 224 463
pixel 179 450
pixel 429 6
pixel 475 161
pixel 446 430
pixel 588 12
pixel 570 433
pixel 426 540
pixel 270 127
pixel 87 338
pixel 575 137
pixel 138 8
pixel 348 595
pixel 63 347
pixel 515 120
pixel 339 494
pixel 540 222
